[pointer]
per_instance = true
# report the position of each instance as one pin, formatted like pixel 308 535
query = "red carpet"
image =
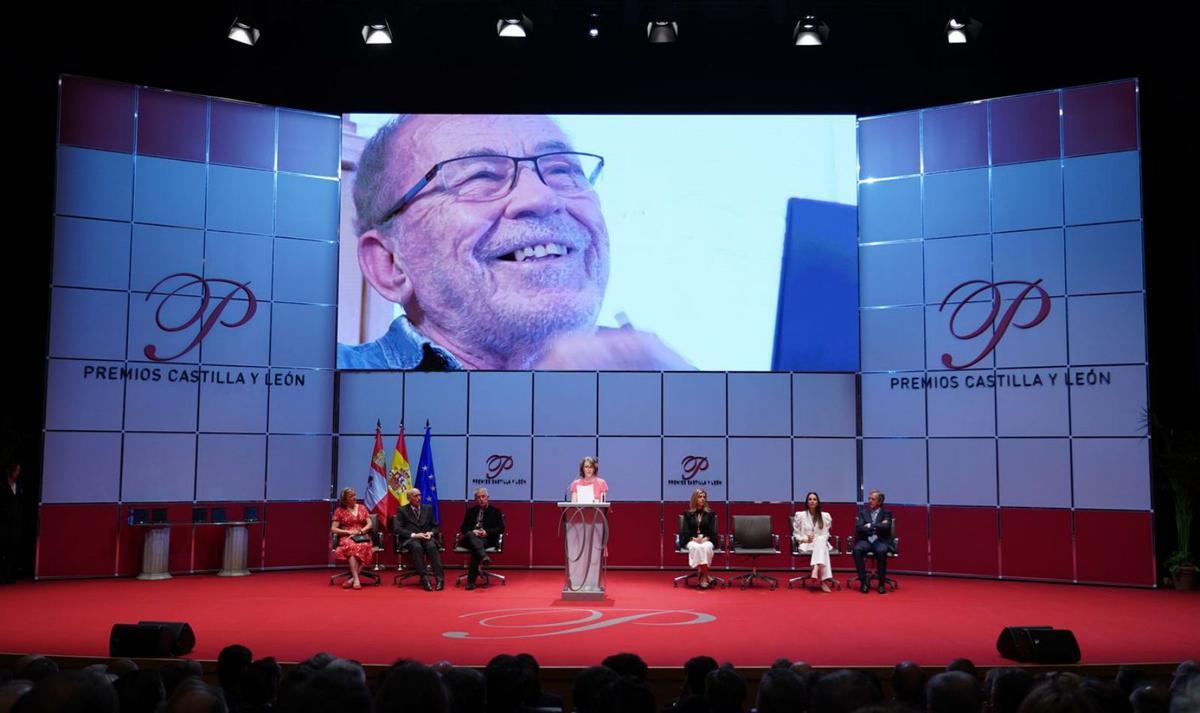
pixel 291 615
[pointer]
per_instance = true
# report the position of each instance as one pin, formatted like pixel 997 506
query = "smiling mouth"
pixel 545 251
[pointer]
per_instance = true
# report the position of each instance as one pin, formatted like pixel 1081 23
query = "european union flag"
pixel 426 478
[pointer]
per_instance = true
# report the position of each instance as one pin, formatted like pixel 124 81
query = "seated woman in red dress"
pixel 350 519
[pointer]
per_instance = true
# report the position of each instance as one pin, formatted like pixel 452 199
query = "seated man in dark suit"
pixel 416 528
pixel 481 526
pixel 873 534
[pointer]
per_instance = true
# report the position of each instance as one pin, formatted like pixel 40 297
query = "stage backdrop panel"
pixel 192 319
pixel 1019 230
pixel 1001 332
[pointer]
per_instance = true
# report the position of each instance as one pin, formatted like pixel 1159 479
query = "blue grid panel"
pixel 1031 255
pixel 1032 411
pixel 440 399
pixel 951 262
pixel 309 143
pixel 1115 409
pixel 241 200
pixel 354 461
pixel 962 471
pixel 694 404
pixel 714 478
pixel 759 405
pixel 303 335
pixel 94 184
pixel 1104 258
pixel 1027 196
pixel 1111 473
pixel 892 339
pixel 944 329
pixel 367 397
pixel 242 258
pixel 77 403
pixel 1035 472
pixel 507 484
pixel 890 275
pixel 824 405
pixel 556 464
pixel 630 404
pixel 88 324
pixel 158 468
pixel 247 345
pixel 231 467
pixel 162 405
pixel 301 409
pixel 501 403
pixel 564 404
pixel 1107 329
pixel 826 466
pixel 1044 344
pixel 305 271
pixel 307 208
pixel 891 412
pixel 81 468
pixel 233 408
pixel 961 410
pixel 1104 188
pixel 632 468
pixel 298 467
pixel 169 192
pixel 956 203
pixel 896 467
pixel 159 252
pixel 760 469
pixel 91 253
pixel 889 210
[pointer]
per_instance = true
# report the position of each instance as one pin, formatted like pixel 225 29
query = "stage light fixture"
pixel 961 29
pixel 593 27
pixel 514 26
pixel 810 31
pixel 243 31
pixel 662 31
pixel 377 33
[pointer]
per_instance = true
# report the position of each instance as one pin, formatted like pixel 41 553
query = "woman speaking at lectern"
pixel 589 487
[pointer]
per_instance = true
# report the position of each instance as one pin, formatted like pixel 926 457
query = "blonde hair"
pixel 345 495
pixel 696 495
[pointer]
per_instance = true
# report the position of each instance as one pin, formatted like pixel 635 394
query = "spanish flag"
pixel 399 476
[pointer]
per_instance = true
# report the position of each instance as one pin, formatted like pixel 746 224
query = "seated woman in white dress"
pixel 699 531
pixel 810 530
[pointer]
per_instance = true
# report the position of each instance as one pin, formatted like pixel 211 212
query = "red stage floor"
pixel 291 615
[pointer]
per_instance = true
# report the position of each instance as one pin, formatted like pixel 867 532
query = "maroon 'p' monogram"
pixel 1006 319
pixel 692 466
pixel 151 351
pixel 497 464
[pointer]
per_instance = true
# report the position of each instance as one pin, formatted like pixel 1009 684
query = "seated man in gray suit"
pixel 873 535
pixel 416 528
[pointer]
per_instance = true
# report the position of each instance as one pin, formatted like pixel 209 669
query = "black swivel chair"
pixel 369 574
pixel 681 549
pixel 752 536
pixel 495 549
pixel 872 575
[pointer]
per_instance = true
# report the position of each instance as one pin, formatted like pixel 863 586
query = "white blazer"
pixel 802 528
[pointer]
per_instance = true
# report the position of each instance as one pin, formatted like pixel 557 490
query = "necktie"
pixel 874 517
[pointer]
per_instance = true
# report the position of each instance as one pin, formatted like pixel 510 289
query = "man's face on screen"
pixel 468 260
